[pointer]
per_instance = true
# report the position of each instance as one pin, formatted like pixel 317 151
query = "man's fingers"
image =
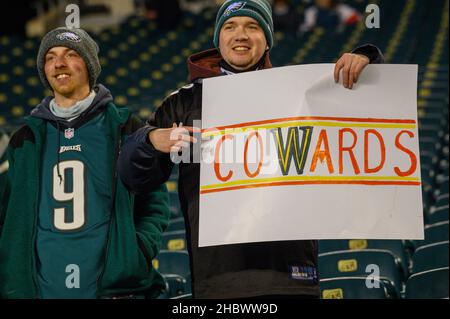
pixel 358 69
pixel 189 139
pixel 351 66
pixel 179 146
pixel 182 144
pixel 345 75
pixel 182 136
pixel 337 69
pixel 193 129
pixel 351 78
pixel 175 149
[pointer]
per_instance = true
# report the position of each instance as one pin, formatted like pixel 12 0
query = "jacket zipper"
pixel 113 207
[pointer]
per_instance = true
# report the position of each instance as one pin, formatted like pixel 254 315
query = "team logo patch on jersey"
pixel 69 36
pixel 69 133
pixel 233 8
pixel 75 148
pixel 303 273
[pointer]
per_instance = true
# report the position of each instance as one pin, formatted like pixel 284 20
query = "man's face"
pixel 242 42
pixel 66 72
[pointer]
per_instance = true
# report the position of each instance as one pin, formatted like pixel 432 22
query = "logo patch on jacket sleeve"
pixel 303 273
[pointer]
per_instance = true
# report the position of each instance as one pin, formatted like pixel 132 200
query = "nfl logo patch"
pixel 69 133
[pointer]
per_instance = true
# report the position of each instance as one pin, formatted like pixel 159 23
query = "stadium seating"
pixel 434 233
pixel 438 214
pixel 176 286
pixel 430 256
pixel 430 284
pixel 176 224
pixel 396 247
pixel 173 262
pixel 174 240
pixel 360 263
pixel 354 288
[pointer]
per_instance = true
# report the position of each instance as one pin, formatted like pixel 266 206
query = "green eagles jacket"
pixel 136 226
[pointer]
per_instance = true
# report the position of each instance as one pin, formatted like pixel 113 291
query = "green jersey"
pixel 74 210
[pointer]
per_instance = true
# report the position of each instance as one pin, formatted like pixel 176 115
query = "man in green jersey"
pixel 68 226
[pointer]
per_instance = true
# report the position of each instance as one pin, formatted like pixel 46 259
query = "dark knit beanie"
pixel 260 10
pixel 75 39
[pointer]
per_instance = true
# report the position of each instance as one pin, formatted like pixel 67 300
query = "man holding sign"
pixel 243 38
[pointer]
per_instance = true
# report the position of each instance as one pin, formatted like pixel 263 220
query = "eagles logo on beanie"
pixel 260 10
pixel 75 39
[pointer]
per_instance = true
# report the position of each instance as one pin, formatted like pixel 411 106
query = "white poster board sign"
pixel 288 154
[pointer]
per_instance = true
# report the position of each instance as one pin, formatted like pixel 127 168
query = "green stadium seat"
pixel 438 214
pixel 434 233
pixel 443 185
pixel 430 132
pixel 442 200
pixel 429 144
pixel 430 256
pixel 354 263
pixel 430 284
pixel 353 288
pixel 396 247
pixel 176 224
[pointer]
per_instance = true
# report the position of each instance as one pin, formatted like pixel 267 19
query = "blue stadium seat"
pixel 438 214
pixel 430 256
pixel 442 200
pixel 176 286
pixel 434 233
pixel 176 224
pixel 174 240
pixel 173 262
pixel 354 288
pixel 430 284
pixel 396 247
pixel 354 263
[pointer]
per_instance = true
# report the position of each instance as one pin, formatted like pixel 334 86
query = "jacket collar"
pixel 206 64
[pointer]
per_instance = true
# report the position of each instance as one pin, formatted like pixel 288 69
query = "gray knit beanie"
pixel 260 10
pixel 75 39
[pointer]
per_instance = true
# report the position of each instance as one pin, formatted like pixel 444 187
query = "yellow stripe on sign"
pixel 306 122
pixel 310 178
